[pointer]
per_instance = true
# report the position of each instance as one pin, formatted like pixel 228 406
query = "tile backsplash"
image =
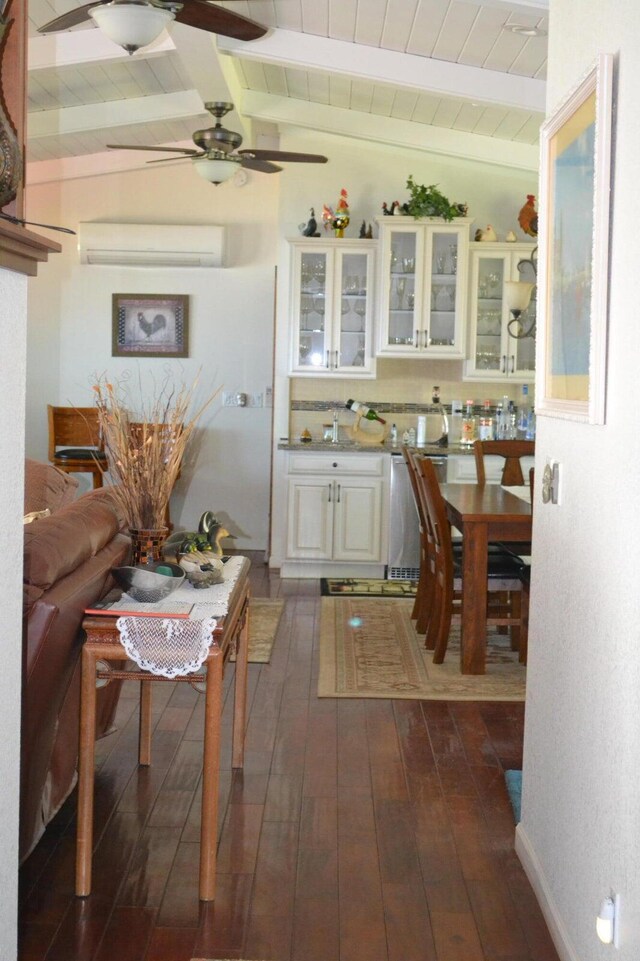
pixel 401 390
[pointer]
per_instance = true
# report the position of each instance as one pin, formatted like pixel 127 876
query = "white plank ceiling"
pixel 424 64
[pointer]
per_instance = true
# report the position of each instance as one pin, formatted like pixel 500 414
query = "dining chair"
pixel 504 576
pixel 75 445
pixel 512 475
pixel 512 451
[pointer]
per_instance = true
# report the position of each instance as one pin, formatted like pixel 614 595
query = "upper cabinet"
pixel 423 287
pixel 493 353
pixel 332 286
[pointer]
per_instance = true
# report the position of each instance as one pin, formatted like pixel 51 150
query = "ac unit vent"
pixel 151 245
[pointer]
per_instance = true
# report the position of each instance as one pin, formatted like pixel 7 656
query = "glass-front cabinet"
pixel 493 353
pixel 332 308
pixel 423 286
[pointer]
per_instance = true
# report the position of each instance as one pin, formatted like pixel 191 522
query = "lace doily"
pixel 169 647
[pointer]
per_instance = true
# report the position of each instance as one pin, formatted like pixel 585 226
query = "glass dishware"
pixel 453 257
pixel 440 263
pixel 361 310
pixel 400 289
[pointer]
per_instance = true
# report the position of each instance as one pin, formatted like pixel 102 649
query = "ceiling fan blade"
pixel 164 160
pixel 284 156
pixel 181 150
pixel 207 16
pixel 263 165
pixel 70 19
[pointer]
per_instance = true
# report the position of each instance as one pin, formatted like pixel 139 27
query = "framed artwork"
pixel 573 262
pixel 150 325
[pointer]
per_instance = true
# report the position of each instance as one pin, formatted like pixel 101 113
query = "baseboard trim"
pixel 533 870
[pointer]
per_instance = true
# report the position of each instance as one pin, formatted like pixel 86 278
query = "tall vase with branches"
pixel 145 439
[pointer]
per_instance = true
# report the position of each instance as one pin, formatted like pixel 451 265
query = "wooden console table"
pixel 102 646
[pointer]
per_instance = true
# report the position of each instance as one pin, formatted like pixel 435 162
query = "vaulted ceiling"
pixel 449 76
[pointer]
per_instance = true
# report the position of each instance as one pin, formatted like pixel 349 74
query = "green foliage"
pixel 430 202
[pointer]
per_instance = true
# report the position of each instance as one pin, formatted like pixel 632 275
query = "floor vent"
pixel 403 573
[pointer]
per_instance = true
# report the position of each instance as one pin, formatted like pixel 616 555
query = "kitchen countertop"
pixel 353 448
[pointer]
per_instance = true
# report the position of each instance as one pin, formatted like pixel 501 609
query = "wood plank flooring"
pixel 357 831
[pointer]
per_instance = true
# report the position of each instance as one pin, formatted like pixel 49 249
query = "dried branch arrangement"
pixel 145 447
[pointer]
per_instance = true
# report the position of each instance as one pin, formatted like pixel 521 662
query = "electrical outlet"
pixel 254 400
pixel 268 397
pixel 229 398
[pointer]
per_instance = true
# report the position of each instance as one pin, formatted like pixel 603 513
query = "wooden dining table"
pixel 482 513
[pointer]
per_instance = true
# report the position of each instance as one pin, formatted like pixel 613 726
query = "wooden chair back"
pixel 73 427
pixel 511 451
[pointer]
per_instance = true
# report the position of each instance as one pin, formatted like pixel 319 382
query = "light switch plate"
pixel 551 483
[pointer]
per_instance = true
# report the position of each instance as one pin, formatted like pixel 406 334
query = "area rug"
pixel 264 617
pixel 514 788
pixel 369 648
pixel 366 587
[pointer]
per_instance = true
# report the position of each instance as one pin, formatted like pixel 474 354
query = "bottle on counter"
pixel 412 437
pixel 394 435
pixel 502 419
pixel 364 411
pixel 335 428
pixel 524 413
pixel 469 426
pixel 421 433
pixel 485 423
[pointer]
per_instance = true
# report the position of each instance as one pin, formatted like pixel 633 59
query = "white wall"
pixel 581 818
pixel 13 316
pixel 230 326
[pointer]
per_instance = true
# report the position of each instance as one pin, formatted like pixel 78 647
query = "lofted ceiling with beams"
pixel 448 76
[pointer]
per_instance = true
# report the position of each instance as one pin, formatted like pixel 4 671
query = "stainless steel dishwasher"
pixel 403 562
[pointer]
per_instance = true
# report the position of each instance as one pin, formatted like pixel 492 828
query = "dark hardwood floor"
pixel 358 830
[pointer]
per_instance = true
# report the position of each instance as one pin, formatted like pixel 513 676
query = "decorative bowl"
pixel 151 583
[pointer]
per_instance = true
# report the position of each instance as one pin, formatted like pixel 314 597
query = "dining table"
pixel 482 513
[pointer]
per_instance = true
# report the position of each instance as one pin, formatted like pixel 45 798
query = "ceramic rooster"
pixel 486 235
pixel 528 217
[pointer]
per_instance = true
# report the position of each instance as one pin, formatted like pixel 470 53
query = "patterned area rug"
pixel 366 587
pixel 264 617
pixel 369 648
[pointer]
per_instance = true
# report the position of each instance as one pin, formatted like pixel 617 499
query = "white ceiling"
pixel 440 74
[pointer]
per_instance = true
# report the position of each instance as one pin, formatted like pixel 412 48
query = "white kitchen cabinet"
pixel 336 514
pixel 331 320
pixel 423 287
pixel 493 354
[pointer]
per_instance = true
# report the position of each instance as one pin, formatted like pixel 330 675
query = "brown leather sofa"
pixel 68 557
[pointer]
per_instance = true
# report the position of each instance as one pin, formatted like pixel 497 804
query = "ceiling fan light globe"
pixel 131 25
pixel 215 171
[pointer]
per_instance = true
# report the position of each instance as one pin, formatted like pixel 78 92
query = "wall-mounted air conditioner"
pixel 151 245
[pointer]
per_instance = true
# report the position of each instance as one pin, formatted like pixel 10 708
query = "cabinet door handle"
pixel 425 339
pixel 330 492
pixel 416 339
pixel 337 358
pixel 503 369
pixel 337 493
pixel 328 364
pixel 513 363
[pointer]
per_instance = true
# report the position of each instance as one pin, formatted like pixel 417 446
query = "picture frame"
pixel 150 325
pixel 573 261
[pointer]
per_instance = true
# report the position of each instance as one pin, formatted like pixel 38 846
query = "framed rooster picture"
pixel 150 325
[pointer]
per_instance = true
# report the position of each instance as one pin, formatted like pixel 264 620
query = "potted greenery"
pixel 430 202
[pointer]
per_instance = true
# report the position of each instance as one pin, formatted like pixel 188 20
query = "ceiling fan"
pixel 218 157
pixel 135 23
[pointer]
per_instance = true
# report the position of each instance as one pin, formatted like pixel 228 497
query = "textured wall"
pixel 13 313
pixel 581 817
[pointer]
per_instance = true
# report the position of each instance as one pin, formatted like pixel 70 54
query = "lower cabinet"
pixel 336 514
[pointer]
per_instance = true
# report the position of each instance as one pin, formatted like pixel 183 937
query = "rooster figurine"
pixel 528 217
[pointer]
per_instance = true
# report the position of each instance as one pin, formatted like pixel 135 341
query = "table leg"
pixel 240 691
pixel 210 771
pixel 144 732
pixel 86 763
pixel 473 634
